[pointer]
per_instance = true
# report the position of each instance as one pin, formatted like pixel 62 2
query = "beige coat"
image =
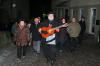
pixel 74 29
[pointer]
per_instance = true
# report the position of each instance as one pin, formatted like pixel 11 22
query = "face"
pixel 39 18
pixel 83 19
pixel 73 20
pixel 63 20
pixel 51 17
pixel 22 23
pixel 36 20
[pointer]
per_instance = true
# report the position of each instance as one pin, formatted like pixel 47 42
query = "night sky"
pixel 37 7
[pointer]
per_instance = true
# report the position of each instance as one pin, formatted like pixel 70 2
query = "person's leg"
pixel 58 47
pixel 24 50
pixel 77 42
pixel 38 46
pixel 62 45
pixel 72 44
pixel 35 46
pixel 19 52
pixel 80 38
pixel 53 54
pixel 46 52
pixel 57 43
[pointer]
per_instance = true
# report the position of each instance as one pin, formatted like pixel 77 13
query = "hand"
pixel 29 44
pixel 65 25
pixel 57 30
pixel 39 30
pixel 50 30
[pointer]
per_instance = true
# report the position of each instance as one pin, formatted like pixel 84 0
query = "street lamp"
pixel 13 5
pixel 13 9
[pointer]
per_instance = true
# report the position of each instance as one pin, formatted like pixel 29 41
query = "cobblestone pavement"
pixel 87 55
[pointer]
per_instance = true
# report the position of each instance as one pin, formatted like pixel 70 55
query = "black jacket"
pixel 83 27
pixel 35 33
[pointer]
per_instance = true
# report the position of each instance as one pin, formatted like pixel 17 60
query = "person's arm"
pixel 41 24
pixel 27 32
pixel 15 35
pixel 30 28
pixel 39 29
pixel 57 23
pixel 69 29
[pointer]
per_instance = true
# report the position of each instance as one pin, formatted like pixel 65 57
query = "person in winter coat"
pixel 21 37
pixel 74 31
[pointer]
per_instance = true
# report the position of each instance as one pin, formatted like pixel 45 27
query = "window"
pixel 92 20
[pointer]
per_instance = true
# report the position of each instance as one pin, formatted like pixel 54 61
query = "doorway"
pixel 66 14
pixel 81 13
pixel 92 20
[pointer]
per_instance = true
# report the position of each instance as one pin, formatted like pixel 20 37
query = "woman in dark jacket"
pixel 21 38
pixel 62 35
pixel 36 37
pixel 83 28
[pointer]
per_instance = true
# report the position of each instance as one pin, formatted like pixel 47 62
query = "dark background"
pixel 38 7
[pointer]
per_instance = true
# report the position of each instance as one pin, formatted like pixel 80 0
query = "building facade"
pixel 90 9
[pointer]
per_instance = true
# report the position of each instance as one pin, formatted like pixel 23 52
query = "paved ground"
pixel 87 55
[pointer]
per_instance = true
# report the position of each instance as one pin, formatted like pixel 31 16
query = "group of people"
pixel 51 33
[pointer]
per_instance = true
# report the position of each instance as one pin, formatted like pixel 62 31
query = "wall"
pixel 56 2
pixel 86 5
pixel 76 5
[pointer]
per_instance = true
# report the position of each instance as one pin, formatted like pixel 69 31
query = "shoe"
pixel 38 52
pixel 23 56
pixel 33 50
pixel 18 60
pixel 48 60
pixel 72 50
pixel 60 51
pixel 52 62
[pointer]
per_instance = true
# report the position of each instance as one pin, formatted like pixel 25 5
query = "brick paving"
pixel 87 55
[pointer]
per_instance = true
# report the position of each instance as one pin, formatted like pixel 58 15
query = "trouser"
pixel 21 51
pixel 61 44
pixel 36 46
pixel 74 43
pixel 50 52
pixel 81 36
